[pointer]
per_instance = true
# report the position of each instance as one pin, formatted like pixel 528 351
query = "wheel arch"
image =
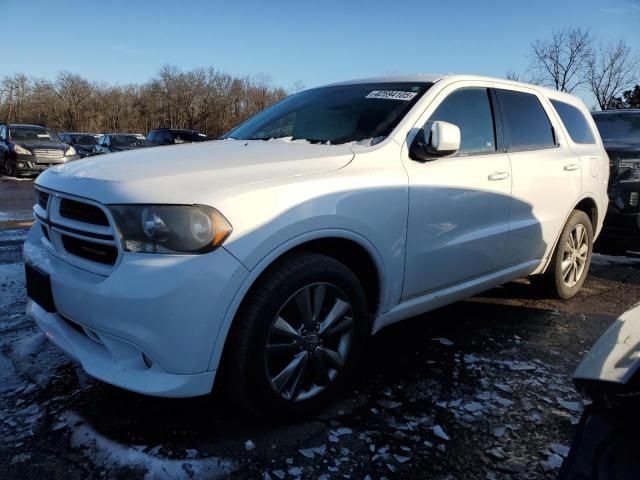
pixel 350 248
pixel 586 204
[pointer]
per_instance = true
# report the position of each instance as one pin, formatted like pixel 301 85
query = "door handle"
pixel 498 176
pixel 571 167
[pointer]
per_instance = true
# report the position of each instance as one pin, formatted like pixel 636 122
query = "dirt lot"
pixel 479 389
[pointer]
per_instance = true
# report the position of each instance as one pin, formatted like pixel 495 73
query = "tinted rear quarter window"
pixel 526 124
pixel 575 122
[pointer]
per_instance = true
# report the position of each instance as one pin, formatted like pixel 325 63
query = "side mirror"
pixel 442 140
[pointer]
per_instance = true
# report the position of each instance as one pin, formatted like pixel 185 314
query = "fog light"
pixel 633 199
pixel 21 165
pixel 147 360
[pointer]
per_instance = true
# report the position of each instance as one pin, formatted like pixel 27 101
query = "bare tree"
pixel 73 91
pixel 512 75
pixel 562 61
pixel 612 68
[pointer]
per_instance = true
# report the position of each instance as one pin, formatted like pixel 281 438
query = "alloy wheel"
pixel 575 254
pixel 309 341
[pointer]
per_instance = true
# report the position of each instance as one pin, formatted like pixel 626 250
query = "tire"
pixel 561 282
pixel 263 380
pixel 9 167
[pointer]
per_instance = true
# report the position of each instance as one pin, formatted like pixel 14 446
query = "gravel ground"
pixel 479 389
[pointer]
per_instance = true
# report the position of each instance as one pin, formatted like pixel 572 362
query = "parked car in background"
pixel 172 136
pixel 606 444
pixel 269 257
pixel 620 131
pixel 83 143
pixel 119 142
pixel 26 149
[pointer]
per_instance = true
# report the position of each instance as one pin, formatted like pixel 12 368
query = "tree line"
pixel 571 60
pixel 574 60
pixel 203 98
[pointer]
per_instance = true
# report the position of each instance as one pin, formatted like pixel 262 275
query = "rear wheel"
pixel 296 338
pixel 571 259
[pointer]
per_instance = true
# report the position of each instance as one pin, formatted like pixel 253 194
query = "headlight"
pixel 170 228
pixel 21 150
pixel 71 151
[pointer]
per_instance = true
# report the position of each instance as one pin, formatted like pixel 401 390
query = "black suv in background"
pixel 119 142
pixel 173 136
pixel 620 132
pixel 31 149
pixel 82 142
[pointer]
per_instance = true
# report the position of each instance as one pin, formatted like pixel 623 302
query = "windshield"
pixel 127 141
pixel 33 135
pixel 83 139
pixel 619 127
pixel 337 114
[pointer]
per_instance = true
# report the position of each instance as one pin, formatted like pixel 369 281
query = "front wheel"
pixel 296 338
pixel 571 259
pixel 9 168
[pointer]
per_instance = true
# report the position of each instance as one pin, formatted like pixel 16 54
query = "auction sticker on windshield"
pixel 392 95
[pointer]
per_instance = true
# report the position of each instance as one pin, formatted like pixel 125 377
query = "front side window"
pixel 575 122
pixel 622 127
pixel 336 114
pixel 526 125
pixel 470 110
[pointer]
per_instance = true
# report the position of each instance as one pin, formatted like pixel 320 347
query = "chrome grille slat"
pixel 48 153
pixel 78 231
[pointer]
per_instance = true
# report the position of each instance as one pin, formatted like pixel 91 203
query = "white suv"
pixel 267 258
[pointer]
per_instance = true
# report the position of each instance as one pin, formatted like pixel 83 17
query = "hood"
pixel 622 149
pixel 182 174
pixel 47 145
pixel 125 149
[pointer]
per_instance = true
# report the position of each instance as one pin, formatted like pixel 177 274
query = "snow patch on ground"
pixel 106 453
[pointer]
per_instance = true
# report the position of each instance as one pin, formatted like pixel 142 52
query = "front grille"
pixel 48 153
pixel 42 198
pixel 96 252
pixel 82 212
pixel 45 232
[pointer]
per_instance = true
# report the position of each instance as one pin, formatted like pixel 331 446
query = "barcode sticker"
pixel 392 95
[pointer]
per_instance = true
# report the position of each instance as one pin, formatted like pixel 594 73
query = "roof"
pixel 417 78
pixel 121 133
pixel 619 110
pixel 176 129
pixel 25 125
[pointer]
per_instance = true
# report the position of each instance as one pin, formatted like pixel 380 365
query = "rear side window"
pixel 469 109
pixel 575 122
pixel 526 125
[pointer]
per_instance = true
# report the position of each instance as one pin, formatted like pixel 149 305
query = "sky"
pixel 313 42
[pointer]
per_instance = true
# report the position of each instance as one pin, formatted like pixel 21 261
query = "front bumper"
pixel 34 164
pixel 167 307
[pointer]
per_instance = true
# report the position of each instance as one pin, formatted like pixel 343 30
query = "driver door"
pixel 458 222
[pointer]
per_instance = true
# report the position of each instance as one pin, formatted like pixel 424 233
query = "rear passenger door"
pixel 546 174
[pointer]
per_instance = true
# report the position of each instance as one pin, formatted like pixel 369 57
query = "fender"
pixel 547 259
pixel 268 259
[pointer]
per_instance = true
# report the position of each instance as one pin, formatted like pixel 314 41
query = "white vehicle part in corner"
pixel 615 357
